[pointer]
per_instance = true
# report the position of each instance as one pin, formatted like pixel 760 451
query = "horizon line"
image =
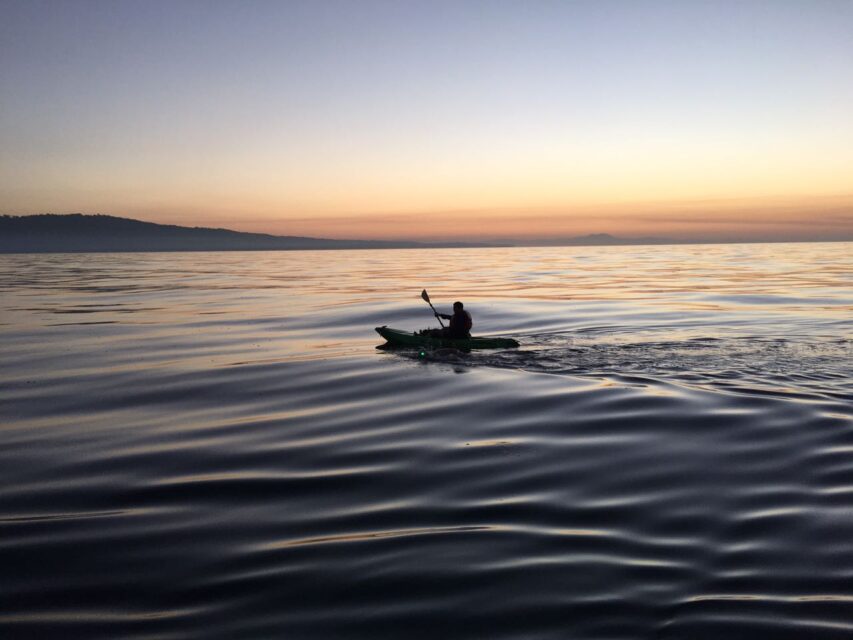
pixel 589 239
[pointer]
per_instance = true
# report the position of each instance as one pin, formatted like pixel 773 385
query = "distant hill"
pixel 78 233
pixel 52 233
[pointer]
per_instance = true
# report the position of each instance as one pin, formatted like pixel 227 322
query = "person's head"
pixel 457 307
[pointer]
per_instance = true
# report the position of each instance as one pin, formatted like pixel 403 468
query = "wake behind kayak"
pixel 395 337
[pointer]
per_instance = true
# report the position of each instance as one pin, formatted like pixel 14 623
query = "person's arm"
pixel 444 315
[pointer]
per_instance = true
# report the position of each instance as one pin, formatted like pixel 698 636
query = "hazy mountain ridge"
pixel 80 233
pixel 103 233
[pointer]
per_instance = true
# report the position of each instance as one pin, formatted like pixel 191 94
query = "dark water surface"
pixel 208 445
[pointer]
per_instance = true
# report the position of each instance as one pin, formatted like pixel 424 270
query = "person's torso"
pixel 461 323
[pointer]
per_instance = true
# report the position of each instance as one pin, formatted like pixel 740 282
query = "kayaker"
pixel 460 323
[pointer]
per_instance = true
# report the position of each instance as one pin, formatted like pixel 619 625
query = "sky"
pixel 434 120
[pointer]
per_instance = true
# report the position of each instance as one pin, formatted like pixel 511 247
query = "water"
pixel 208 445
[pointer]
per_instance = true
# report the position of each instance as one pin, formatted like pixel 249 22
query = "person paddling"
pixel 460 323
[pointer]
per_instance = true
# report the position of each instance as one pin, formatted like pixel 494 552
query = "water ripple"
pixel 214 448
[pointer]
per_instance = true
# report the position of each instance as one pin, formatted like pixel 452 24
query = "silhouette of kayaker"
pixel 460 324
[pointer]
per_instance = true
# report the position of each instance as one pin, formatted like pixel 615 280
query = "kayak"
pixel 408 339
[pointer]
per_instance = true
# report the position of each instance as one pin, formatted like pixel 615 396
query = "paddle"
pixel 425 296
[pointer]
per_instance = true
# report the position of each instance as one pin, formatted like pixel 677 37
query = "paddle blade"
pixel 424 295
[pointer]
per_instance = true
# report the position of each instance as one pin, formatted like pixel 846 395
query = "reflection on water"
pixel 208 445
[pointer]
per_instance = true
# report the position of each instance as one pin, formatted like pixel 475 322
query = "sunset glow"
pixel 434 120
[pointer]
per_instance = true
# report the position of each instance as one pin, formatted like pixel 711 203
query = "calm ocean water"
pixel 208 445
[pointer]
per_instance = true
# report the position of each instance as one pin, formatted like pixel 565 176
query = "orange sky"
pixel 780 218
pixel 825 218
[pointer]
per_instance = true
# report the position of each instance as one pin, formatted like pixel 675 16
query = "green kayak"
pixel 408 339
